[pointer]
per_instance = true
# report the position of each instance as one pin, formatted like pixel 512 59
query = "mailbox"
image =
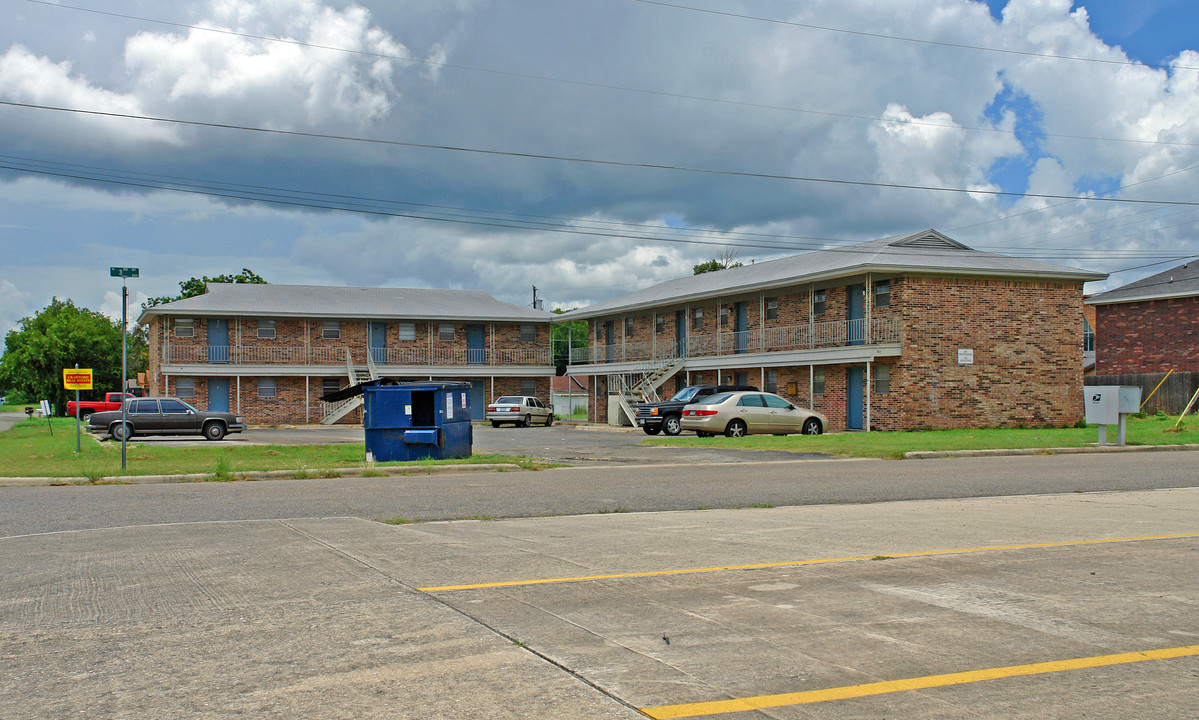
pixel 1111 405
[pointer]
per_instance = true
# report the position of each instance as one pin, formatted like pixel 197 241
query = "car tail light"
pixel 514 409
pixel 491 408
pixel 700 413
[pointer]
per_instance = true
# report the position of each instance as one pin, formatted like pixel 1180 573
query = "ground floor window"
pixel 818 381
pixel 266 387
pixel 882 379
pixel 528 386
pixel 185 387
pixel 772 381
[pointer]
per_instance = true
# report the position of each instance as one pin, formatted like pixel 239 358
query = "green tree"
pixel 726 260
pixel 56 338
pixel 195 286
pixel 566 336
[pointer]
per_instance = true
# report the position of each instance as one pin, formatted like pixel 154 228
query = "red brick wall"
pixel 1155 336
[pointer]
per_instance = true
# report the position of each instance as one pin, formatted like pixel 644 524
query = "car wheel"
pixel 214 431
pixel 121 431
pixel 671 425
pixel 495 423
pixel 811 426
pixel 527 421
pixel 549 419
pixel 652 429
pixel 84 415
pixel 736 428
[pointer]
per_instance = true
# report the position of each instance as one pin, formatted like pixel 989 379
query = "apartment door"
pixel 610 339
pixel 476 344
pixel 855 305
pixel 855 397
pixel 218 340
pixel 218 394
pixel 680 332
pixel 378 342
pixel 740 321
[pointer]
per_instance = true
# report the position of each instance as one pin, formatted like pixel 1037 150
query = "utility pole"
pixel 124 274
pixel 534 297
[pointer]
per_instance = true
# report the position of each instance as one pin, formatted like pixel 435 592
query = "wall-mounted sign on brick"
pixel 965 357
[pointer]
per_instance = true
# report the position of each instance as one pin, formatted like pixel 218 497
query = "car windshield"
pixel 510 400
pixel 713 399
pixel 684 395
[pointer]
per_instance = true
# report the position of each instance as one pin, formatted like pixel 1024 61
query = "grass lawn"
pixel 28 449
pixel 1141 431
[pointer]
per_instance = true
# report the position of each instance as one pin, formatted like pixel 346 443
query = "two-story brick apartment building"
pixel 270 352
pixel 908 332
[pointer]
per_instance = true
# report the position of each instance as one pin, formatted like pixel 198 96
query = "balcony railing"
pixel 838 333
pixel 267 355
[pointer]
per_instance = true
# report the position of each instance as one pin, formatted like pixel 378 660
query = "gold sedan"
pixel 736 414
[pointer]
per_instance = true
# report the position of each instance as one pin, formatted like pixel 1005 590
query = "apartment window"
pixel 528 386
pixel 445 332
pixel 741 378
pixel 628 326
pixel 697 378
pixel 882 293
pixel 772 381
pixel 266 329
pixel 185 327
pixel 818 381
pixel 772 308
pixel 528 332
pixel 407 331
pixel 331 329
pixel 599 333
pixel 330 385
pixel 882 379
pixel 724 316
pixel 697 319
pixel 185 387
pixel 818 302
pixel 659 323
pixel 266 387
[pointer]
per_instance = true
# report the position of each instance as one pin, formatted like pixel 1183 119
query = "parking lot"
pixel 1065 606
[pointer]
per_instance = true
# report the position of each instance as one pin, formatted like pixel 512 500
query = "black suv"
pixel 654 418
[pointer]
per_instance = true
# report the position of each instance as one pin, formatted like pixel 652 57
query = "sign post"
pixel 77 380
pixel 124 274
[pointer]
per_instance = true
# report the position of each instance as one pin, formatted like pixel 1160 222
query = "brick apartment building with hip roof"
pixel 909 332
pixel 269 352
pixel 1149 326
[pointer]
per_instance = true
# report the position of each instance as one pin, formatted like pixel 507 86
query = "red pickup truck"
pixel 111 401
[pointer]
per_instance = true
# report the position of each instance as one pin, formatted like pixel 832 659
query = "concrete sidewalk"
pixel 340 617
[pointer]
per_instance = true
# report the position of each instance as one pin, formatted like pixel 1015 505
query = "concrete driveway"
pixel 1068 606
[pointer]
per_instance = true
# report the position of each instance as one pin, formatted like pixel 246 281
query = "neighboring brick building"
pixel 270 352
pixel 903 333
pixel 1149 326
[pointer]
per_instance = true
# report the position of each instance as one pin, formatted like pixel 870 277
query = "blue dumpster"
pixel 417 420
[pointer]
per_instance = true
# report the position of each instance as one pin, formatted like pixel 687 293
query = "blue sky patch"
pixel 1011 173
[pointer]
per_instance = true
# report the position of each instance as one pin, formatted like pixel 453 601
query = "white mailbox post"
pixel 1111 405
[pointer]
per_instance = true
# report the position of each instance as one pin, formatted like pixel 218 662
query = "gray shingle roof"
pixel 316 301
pixel 1181 281
pixel 925 251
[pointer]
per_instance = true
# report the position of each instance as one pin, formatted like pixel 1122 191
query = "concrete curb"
pixel 934 454
pixel 399 471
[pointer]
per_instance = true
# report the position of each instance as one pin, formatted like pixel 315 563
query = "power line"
pixel 595 161
pixel 900 38
pixel 604 86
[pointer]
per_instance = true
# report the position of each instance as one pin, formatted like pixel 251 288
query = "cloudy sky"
pixel 588 147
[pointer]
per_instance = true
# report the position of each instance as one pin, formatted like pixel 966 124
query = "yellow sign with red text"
pixel 77 378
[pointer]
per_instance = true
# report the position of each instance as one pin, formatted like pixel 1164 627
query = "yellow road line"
pixel 794 563
pixel 716 707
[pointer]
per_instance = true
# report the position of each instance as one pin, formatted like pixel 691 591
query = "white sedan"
pixel 520 410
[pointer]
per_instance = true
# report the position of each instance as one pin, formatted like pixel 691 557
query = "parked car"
pixel 111 401
pixel 520 410
pixel 750 413
pixel 664 416
pixel 164 416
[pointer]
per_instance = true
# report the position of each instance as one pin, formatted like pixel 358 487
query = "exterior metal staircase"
pixel 357 375
pixel 644 390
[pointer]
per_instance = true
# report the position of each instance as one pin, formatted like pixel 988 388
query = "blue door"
pixel 856 312
pixel 218 341
pixel 478 400
pixel 378 341
pixel 854 397
pixel 476 344
pixel 218 394
pixel 740 321
pixel 610 339
pixel 680 331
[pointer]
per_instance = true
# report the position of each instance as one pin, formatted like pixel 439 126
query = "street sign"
pixel 123 272
pixel 77 378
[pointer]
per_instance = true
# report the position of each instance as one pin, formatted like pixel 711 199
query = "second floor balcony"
pixel 813 336
pixel 337 356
